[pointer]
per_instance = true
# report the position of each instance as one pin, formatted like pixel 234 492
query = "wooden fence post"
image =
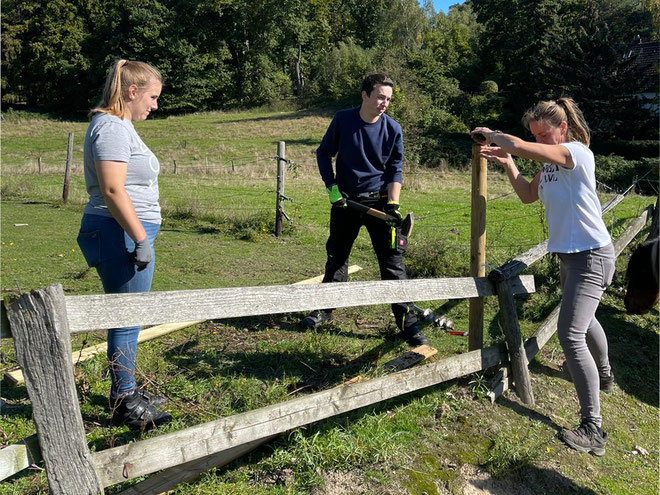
pixel 477 246
pixel 39 165
pixel 43 349
pixel 67 169
pixel 514 342
pixel 174 166
pixel 281 160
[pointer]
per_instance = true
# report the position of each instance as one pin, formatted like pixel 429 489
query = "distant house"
pixel 646 63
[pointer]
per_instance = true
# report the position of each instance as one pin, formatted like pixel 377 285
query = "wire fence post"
pixel 67 169
pixel 281 159
pixel 477 246
pixel 174 166
pixel 39 165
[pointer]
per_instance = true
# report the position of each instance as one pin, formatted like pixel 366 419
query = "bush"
pixel 631 150
pixel 618 173
pixel 435 258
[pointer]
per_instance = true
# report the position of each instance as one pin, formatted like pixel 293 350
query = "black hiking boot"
pixel 606 382
pixel 586 438
pixel 153 400
pixel 316 318
pixel 135 411
pixel 413 337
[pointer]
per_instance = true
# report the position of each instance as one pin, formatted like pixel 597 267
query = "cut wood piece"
pixel 410 358
pixel 153 308
pixel 318 279
pixel 15 377
pixel 500 383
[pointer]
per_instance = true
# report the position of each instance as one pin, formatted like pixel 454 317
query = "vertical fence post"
pixel 477 246
pixel 39 165
pixel 514 342
pixel 174 166
pixel 42 339
pixel 67 169
pixel 281 157
pixel 232 167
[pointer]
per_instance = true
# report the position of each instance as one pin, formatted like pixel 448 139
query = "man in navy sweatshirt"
pixel 368 145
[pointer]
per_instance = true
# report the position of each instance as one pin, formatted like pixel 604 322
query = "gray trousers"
pixel 584 277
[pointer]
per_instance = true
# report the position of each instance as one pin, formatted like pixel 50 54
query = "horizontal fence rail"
pixel 153 308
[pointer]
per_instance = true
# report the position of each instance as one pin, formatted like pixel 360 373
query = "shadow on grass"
pixel 535 480
pixel 522 410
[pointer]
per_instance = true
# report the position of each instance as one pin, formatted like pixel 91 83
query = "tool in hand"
pixel 406 224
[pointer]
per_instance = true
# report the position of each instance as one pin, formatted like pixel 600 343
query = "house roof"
pixel 647 59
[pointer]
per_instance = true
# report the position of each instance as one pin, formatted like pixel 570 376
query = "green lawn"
pixel 217 232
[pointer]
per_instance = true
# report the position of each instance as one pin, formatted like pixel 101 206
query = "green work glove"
pixel 392 209
pixel 336 198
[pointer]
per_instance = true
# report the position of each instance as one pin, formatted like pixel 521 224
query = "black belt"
pixel 371 194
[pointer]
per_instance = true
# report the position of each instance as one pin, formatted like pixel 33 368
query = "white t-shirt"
pixel 572 209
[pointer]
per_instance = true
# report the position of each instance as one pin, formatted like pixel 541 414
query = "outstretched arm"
pixel 527 191
pixel 544 153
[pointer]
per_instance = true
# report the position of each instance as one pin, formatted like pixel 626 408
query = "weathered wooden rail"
pixel 41 323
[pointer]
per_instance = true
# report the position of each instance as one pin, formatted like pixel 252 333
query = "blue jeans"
pixel 107 248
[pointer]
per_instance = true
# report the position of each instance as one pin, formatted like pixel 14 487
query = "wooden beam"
pixel 318 279
pixel 153 308
pixel 43 348
pixel 138 459
pixel 632 230
pixel 170 478
pixel 477 245
pixel 517 356
pixel 15 377
pixel 19 456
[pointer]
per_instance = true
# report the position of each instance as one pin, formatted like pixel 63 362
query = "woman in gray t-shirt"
pixel 121 221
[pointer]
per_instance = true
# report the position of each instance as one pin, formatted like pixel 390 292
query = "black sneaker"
pixel 316 318
pixel 136 412
pixel 153 400
pixel 586 438
pixel 606 382
pixel 413 337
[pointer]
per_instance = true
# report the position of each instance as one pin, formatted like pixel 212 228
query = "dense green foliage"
pixel 484 61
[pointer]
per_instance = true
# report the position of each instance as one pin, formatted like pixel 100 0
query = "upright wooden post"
pixel 67 169
pixel 174 166
pixel 43 349
pixel 281 160
pixel 514 342
pixel 477 246
pixel 39 164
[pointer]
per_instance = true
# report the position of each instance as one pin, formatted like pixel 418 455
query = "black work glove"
pixel 142 254
pixel 392 209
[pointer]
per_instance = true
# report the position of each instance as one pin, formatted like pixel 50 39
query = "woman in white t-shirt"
pixel 566 185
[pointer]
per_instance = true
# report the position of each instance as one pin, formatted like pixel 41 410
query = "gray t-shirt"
pixel 109 138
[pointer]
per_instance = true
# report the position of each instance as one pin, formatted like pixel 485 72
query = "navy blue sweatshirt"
pixel 369 156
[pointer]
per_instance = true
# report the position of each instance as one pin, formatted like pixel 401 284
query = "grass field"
pixel 217 232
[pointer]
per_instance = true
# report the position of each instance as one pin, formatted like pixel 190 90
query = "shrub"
pixel 618 173
pixel 631 150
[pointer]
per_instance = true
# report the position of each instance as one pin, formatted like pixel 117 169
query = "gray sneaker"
pixel 606 382
pixel 586 438
pixel 316 318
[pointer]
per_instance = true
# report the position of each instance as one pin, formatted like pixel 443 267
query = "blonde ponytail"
pixel 555 112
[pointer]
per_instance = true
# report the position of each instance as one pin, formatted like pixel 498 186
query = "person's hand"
pixel 337 199
pixel 142 254
pixel 483 135
pixel 392 209
pixel 496 154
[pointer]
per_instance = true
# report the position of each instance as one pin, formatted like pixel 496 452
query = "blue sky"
pixel 443 5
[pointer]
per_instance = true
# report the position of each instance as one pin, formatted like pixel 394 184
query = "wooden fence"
pixel 41 323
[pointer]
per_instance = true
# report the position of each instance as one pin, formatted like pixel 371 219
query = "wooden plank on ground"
pixel 170 478
pixel 153 308
pixel 410 358
pixel 138 459
pixel 15 377
pixel 318 279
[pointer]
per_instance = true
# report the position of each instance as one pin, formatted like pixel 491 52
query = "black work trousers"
pixel 345 225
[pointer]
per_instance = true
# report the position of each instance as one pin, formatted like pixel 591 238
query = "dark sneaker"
pixel 606 382
pixel 413 337
pixel 586 438
pixel 153 400
pixel 136 412
pixel 316 318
